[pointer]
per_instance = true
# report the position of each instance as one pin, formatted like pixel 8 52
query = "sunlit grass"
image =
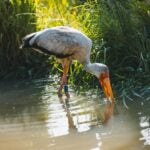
pixel 117 41
pixel 119 31
pixel 56 13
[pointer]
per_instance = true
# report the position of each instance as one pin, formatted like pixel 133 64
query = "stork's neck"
pixel 91 68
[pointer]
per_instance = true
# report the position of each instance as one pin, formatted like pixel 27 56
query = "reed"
pixel 126 33
pixel 17 19
pixel 119 29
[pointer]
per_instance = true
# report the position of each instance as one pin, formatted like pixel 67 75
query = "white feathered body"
pixel 62 41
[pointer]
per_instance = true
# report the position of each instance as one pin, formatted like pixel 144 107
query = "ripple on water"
pixel 33 117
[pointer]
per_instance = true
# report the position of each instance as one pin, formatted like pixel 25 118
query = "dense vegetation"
pixel 120 31
pixel 17 18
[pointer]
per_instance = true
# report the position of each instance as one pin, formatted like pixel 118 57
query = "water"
pixel 32 117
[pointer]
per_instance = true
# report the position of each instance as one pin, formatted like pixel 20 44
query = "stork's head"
pixel 101 71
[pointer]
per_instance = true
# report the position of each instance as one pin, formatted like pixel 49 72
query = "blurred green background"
pixel 119 29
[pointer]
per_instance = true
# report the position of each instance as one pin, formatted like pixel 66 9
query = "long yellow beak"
pixel 105 83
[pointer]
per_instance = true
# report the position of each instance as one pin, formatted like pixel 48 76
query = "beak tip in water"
pixel 105 83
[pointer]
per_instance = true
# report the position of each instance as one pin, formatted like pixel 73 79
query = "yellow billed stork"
pixel 69 44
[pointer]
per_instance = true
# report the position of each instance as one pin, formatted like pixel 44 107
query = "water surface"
pixel 32 117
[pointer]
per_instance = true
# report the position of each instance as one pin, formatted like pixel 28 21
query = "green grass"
pixel 119 30
pixel 18 18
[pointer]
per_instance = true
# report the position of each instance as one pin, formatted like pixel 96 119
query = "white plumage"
pixel 63 41
pixel 68 44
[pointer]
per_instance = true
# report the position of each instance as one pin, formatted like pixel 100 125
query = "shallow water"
pixel 32 117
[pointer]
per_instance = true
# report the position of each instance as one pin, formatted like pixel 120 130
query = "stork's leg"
pixel 64 82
